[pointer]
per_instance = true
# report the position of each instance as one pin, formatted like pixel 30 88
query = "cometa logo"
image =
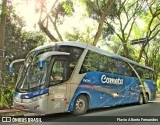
pixel 105 79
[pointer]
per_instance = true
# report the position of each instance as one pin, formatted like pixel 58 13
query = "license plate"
pixel 21 107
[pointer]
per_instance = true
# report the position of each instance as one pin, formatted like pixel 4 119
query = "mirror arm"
pixel 13 62
pixel 48 54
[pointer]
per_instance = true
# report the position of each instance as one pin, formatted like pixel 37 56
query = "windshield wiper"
pixel 22 90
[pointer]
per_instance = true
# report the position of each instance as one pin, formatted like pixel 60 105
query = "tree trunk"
pixel 126 51
pixel 140 53
pixel 47 32
pixel 2 35
pixel 103 16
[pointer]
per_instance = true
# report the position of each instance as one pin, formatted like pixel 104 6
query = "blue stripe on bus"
pixel 31 94
pixel 105 89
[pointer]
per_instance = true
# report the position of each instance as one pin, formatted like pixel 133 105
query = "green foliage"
pixel 63 9
pixel 84 36
pixel 95 8
pixel 2 6
pixel 68 7
pixel 151 56
pixel 7 91
pixel 108 30
pixel 18 42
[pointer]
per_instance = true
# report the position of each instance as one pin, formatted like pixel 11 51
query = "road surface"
pixel 104 116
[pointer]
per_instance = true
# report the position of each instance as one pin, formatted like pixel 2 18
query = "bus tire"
pixel 141 99
pixel 80 105
pixel 146 100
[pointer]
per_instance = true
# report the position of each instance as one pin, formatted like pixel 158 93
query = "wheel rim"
pixel 80 105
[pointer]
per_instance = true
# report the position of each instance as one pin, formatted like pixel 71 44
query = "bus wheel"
pixel 140 101
pixel 146 100
pixel 80 105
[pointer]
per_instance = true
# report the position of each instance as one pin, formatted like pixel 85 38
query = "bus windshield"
pixel 31 76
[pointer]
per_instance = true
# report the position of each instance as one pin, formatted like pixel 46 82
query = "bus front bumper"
pixel 39 106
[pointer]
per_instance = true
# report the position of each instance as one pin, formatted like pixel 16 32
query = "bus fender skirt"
pixel 71 106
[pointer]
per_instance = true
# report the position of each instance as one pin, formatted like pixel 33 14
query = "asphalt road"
pixel 113 115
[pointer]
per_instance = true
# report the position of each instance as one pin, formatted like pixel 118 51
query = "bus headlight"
pixel 33 99
pixel 27 100
pixel 17 99
pixel 30 100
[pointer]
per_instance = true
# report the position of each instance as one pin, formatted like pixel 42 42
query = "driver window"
pixel 59 71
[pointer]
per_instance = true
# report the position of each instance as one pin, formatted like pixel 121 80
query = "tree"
pixel 99 10
pixel 85 36
pixel 18 43
pixel 122 15
pixel 49 20
pixel 122 19
pixel 153 27
pixel 103 16
pixel 127 13
pixel 151 56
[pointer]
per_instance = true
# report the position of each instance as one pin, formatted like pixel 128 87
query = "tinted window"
pixel 91 63
pixel 148 74
pixel 59 70
pixel 75 54
pixel 63 66
pixel 95 62
pixel 144 73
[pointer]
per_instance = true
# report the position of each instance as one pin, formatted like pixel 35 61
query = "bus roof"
pixel 92 48
pixel 45 46
pixel 98 50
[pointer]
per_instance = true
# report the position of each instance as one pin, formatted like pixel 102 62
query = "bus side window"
pixel 148 74
pixel 103 66
pixel 59 71
pixel 83 69
pixel 121 68
pixel 132 72
pixel 153 75
pixel 90 63
pixel 56 73
pixel 139 70
pixel 128 70
pixel 113 66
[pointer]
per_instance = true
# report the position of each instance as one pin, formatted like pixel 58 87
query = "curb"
pixel 11 112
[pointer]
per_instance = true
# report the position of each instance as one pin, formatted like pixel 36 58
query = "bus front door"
pixel 57 98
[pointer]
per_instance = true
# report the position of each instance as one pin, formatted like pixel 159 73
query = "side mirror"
pixel 41 64
pixel 13 62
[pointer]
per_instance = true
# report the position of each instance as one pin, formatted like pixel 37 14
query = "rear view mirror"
pixel 41 64
pixel 13 62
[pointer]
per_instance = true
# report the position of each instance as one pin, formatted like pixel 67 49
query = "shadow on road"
pixel 63 117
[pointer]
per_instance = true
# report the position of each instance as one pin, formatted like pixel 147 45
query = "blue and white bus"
pixel 74 77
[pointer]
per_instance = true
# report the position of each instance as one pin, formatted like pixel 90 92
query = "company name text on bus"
pixel 105 79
